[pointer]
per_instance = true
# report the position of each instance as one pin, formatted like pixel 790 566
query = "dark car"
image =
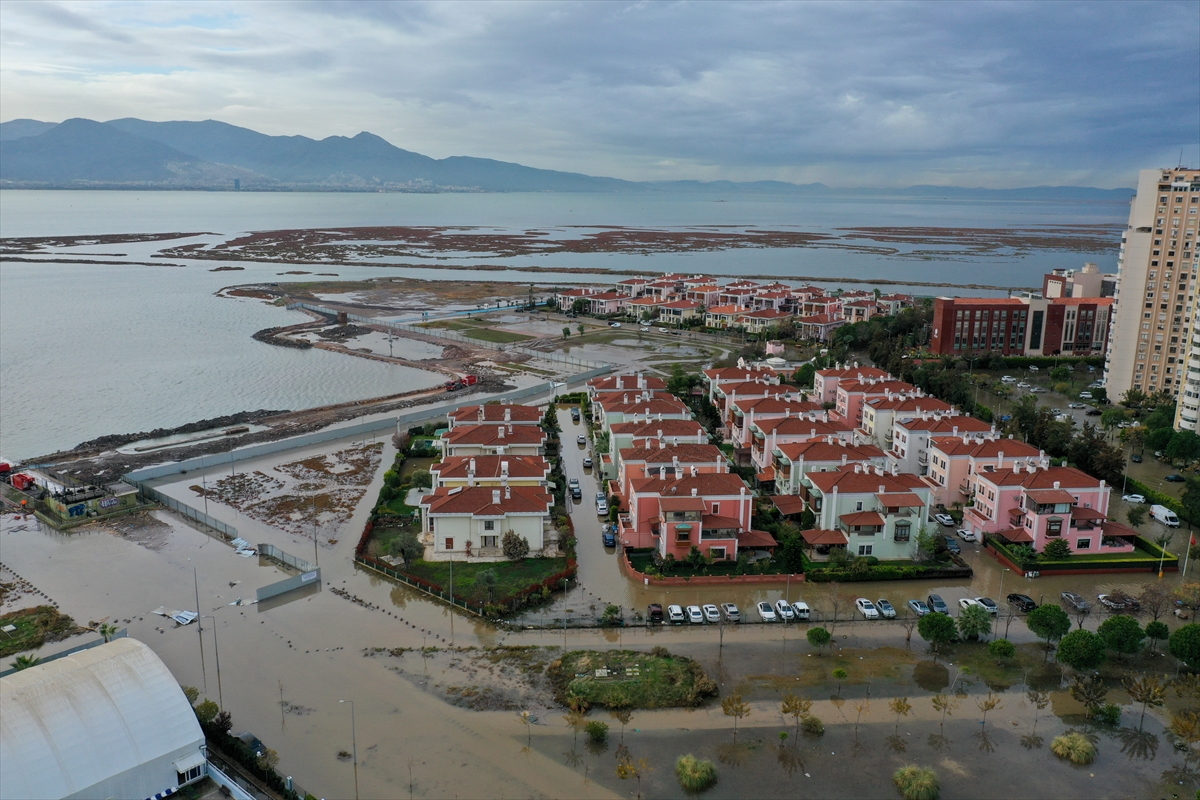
pixel 937 604
pixel 1136 458
pixel 610 539
pixel 253 742
pixel 655 612
pixel 1174 478
pixel 575 414
pixel 952 546
pixel 1023 602
pixel 1075 601
pixel 1093 412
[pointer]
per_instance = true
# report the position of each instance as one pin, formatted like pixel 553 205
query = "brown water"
pixel 311 649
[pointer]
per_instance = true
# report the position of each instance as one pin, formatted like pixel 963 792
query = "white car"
pixel 803 612
pixel 1133 498
pixel 1086 395
pixel 675 615
pixel 967 602
pixel 581 439
pixel 866 608
pixel 731 612
pixel 784 609
pixel 663 330
pixel 944 519
pixel 695 615
pixel 966 535
pixel 1008 379
pixel 1076 405
pixel 601 507
pixel 615 325
pixel 1022 385
pixel 711 613
pixel 766 612
pixel 989 604
pixel 1033 369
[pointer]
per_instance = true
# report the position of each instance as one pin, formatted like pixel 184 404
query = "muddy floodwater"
pixel 286 664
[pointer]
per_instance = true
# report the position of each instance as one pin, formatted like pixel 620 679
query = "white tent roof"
pixel 71 723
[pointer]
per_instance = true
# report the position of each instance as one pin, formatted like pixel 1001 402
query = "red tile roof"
pixel 457 467
pixel 705 484
pixel 848 481
pixel 491 434
pixel 686 452
pixel 1050 496
pixel 795 426
pixel 989 448
pixel 900 500
pixel 815 537
pixel 857 373
pixel 788 504
pixel 754 538
pixel 651 428
pixel 495 412
pixel 623 383
pixel 945 425
pixel 862 518
pixel 485 501
pixel 821 450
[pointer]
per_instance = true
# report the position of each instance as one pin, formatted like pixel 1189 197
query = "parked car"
pixel 952 545
pixel 966 535
pixel 1164 515
pixel 587 462
pixel 675 615
pixel 1076 405
pixel 601 507
pixel 1112 603
pixel 1086 395
pixel 1133 498
pixel 1008 379
pixel 695 615
pixel 966 602
pixel 610 538
pixel 615 325
pixel 885 608
pixel 866 608
pixel 663 330
pixel 1023 602
pixel 581 439
pixel 1022 385
pixel 711 613
pixel 766 612
pixel 645 329
pixel 1136 458
pixel 1174 478
pixel 989 604
pixel 1093 412
pixel 936 603
pixel 655 612
pixel 918 607
pixel 731 612
pixel 803 612
pixel 944 519
pixel 575 415
pixel 1075 601
pixel 1033 368
pixel 784 609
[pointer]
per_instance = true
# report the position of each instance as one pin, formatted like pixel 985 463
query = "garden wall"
pixel 705 580
pixel 1007 559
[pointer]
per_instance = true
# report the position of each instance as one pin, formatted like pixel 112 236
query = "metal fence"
pixel 445 597
pixel 195 514
pixel 286 559
pixel 455 336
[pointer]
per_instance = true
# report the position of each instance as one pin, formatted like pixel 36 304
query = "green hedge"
pixel 1093 561
pixel 814 572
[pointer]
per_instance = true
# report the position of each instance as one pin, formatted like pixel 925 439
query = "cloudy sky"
pixel 850 94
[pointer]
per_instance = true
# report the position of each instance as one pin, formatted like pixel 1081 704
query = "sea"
pixel 89 349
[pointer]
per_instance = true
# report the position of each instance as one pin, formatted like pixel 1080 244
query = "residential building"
pixel 614 407
pixel 879 513
pixel 656 459
pixel 1027 326
pixel 769 434
pixel 1086 282
pixel 910 438
pixel 637 433
pixel 631 382
pixel 852 395
pixel 954 462
pixel 493 471
pixel 1157 267
pixel 723 316
pixel 792 461
pixel 880 413
pixel 746 411
pixel 633 287
pixel 470 522
pixel 495 413
pixel 678 312
pixel 708 294
pixel 818 327
pixel 759 321
pixel 825 384
pixel 714 379
pixel 859 310
pixel 1034 506
pixel 607 303
pixel 501 439
pixel 645 307
pixel 892 304
pixel 726 396
pixel 565 300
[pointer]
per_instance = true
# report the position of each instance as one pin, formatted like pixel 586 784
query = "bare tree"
pixel 909 623
pixel 732 706
pixel 834 602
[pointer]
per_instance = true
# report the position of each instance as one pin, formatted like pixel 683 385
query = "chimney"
pixel 660 433
pixel 695 491
pixel 662 445
pixel 510 428
pixel 1058 484
pixel 895 469
pixel 882 488
pixel 507 493
pixel 641 381
pixel 495 497
pixel 1000 460
pixel 471 468
pixel 504 469
pixel 954 431
pixel 826 417
pixel 480 415
pixel 662 473
pixel 501 432
pixel 508 414
pixel 878 470
pixel 625 398
pixel 693 470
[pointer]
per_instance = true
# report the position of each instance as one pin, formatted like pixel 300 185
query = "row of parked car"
pixel 728 612
pixel 799 611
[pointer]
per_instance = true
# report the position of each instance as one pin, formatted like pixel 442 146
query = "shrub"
pixel 207 711
pixel 813 726
pixel 1057 550
pixel 597 731
pixel 1073 746
pixel 695 775
pixel 1184 644
pixel 515 547
pixel 916 783
pixel 1081 649
pixel 1001 649
pixel 1109 714
pixel 818 637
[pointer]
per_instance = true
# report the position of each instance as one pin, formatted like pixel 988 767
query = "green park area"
pixel 619 679
pixel 34 626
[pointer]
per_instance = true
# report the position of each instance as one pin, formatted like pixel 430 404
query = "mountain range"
pixel 134 153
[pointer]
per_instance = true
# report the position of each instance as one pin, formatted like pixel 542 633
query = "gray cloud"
pixel 852 94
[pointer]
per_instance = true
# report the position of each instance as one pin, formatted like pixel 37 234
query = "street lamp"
pixel 353 745
pixel 217 648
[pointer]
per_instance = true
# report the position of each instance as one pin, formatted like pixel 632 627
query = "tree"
pixel 628 768
pixel 818 637
pixel 925 547
pixel 1081 649
pixel 1089 691
pixel 840 675
pixel 1048 622
pixel 732 706
pixel 1184 444
pixel 791 554
pixel 597 731
pixel 1123 634
pixel 1189 595
pixel 1056 550
pixel 207 711
pixel 1190 499
pixel 486 580
pixel 901 708
pixel 974 621
pixel 268 760
pixel 191 693
pixel 989 703
pixel 1002 649
pixel 1156 632
pixel 107 631
pixel 421 479
pixel 1160 439
pixel 796 707
pixel 1149 690
pixel 24 662
pixel 1136 515
pixel 408 547
pixel 580 328
pixel 566 331
pixel 1156 600
pixel 515 547
pixel 805 376
pixel 1112 417
pixel 1184 644
pixel 937 629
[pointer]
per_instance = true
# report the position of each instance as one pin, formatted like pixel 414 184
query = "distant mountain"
pixel 129 152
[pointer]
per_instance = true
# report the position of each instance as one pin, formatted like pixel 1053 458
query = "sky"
pixel 849 94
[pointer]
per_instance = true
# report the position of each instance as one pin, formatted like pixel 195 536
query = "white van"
pixel 802 610
pixel 1164 515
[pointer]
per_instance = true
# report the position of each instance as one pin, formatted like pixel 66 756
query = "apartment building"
pixel 792 461
pixel 1151 331
pixel 506 470
pixel 878 513
pixel 852 395
pixel 1022 326
pixel 471 521
pixel 955 461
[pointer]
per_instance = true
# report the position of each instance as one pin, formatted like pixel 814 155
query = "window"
pixel 185 777
pixel 858 506
pixel 865 549
pixel 1054 527
pixel 718 553
pixel 489 541
pixel 683 534
pixel 489 525
pixel 903 531
pixel 449 544
pixel 1083 544
pixel 716 509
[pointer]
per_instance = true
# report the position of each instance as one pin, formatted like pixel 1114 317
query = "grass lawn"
pixel 511 576
pixel 411 465
pixel 636 680
pixel 34 625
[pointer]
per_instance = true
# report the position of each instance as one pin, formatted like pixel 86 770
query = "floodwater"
pixel 308 652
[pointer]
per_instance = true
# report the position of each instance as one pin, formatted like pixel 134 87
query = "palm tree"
pixel 107 630
pixel 25 662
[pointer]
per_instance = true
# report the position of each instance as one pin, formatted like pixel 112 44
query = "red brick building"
pixel 1021 326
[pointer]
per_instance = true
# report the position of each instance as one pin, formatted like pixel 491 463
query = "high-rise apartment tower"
pixel 1151 332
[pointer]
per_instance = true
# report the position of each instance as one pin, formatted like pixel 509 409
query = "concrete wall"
pixel 145 780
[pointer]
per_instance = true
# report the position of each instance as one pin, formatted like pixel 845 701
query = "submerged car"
pixel 784 609
pixel 695 615
pixel 1075 601
pixel 866 608
pixel 952 545
pixel 731 612
pixel 711 613
pixel 675 614
pixel 944 519
pixel 989 604
pixel 1023 602
pixel 655 612
pixel 936 603
pixel 610 538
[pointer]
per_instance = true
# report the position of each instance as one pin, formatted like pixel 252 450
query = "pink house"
pixel 955 461
pixel 608 303
pixel 1034 506
pixel 851 395
pixel 825 385
pixel 770 434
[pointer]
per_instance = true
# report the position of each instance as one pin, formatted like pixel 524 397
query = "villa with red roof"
pixel 470 522
pixel 723 316
pixel 747 410
pixel 790 462
pixel 510 470
pixel 818 327
pixel 769 434
pixel 495 413
pixel 678 312
pixel 826 382
pixel 851 395
pixel 876 512
pixel 879 414
pixel 910 438
pixel 954 462
pixel 499 439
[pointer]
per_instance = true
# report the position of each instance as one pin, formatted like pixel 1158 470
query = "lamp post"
pixel 353 745
pixel 217 648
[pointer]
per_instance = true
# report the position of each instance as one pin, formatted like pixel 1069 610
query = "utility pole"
pixel 217 648
pixel 200 628
pixel 353 745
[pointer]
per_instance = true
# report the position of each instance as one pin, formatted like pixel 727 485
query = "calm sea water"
pixel 87 350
